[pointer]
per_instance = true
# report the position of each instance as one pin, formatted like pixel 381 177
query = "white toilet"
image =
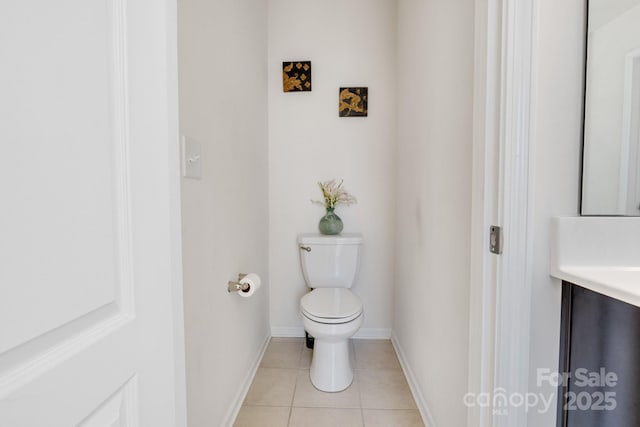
pixel 331 313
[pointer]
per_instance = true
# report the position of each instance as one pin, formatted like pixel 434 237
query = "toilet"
pixel 331 313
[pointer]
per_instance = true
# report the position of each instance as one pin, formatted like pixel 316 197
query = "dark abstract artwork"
pixel 353 102
pixel 296 76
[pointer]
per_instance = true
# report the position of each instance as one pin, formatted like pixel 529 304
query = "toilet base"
pixel 331 368
pixel 331 364
pixel 308 340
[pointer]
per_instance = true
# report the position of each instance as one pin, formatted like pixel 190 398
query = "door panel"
pixel 62 224
pixel 85 294
pixel 118 410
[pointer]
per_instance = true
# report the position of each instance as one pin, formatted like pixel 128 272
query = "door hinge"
pixel 495 239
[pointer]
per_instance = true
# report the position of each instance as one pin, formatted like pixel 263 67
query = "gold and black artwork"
pixel 296 76
pixel 353 101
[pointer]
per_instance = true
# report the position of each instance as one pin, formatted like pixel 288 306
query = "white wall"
pixel 223 105
pixel 435 96
pixel 558 89
pixel 350 44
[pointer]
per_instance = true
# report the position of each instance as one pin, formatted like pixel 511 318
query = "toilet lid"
pixel 337 304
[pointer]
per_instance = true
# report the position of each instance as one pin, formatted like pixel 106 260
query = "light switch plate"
pixel 191 158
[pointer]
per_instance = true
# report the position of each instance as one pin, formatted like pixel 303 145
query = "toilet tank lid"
pixel 323 239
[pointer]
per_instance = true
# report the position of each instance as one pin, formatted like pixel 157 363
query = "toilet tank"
pixel 330 261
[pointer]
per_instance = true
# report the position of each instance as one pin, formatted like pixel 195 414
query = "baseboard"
pixel 413 384
pixel 363 333
pixel 233 411
pixel 287 331
pixel 373 334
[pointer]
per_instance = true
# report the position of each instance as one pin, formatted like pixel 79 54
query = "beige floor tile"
pixel 325 417
pixel 263 416
pixel 375 354
pixel 384 389
pixel 283 353
pixel 272 387
pixel 305 358
pixel 308 396
pixel 282 394
pixel 392 418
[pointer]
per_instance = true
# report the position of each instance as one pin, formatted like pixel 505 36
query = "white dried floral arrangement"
pixel 334 194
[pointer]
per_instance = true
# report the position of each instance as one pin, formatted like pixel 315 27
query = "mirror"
pixel 611 160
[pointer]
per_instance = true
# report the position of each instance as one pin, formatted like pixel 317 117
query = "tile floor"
pixel 282 395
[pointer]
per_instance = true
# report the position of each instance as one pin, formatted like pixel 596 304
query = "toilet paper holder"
pixel 237 286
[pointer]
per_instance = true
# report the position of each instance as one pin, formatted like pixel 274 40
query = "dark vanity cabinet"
pixel 600 356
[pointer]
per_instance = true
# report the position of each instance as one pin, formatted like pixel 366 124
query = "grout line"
pixel 295 387
pixel 330 407
pixel 302 347
pixel 289 418
pixel 263 405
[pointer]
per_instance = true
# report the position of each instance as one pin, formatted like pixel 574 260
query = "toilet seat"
pixel 331 305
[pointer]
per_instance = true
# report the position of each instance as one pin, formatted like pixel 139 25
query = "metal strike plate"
pixel 495 239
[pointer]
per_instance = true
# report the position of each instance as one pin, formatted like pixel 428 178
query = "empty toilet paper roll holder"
pixel 237 286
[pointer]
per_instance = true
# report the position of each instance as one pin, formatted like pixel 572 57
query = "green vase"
pixel 330 223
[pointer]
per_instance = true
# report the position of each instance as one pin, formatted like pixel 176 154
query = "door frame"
pixel 175 213
pixel 500 285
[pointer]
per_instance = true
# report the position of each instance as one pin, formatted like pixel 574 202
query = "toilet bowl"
pixel 331 316
pixel 331 313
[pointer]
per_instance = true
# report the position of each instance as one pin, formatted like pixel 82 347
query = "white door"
pixel 89 250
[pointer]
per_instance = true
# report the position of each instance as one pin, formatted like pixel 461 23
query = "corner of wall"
pixel 240 395
pixel 414 385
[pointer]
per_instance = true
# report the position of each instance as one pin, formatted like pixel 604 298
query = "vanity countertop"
pixel 622 283
pixel 598 253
